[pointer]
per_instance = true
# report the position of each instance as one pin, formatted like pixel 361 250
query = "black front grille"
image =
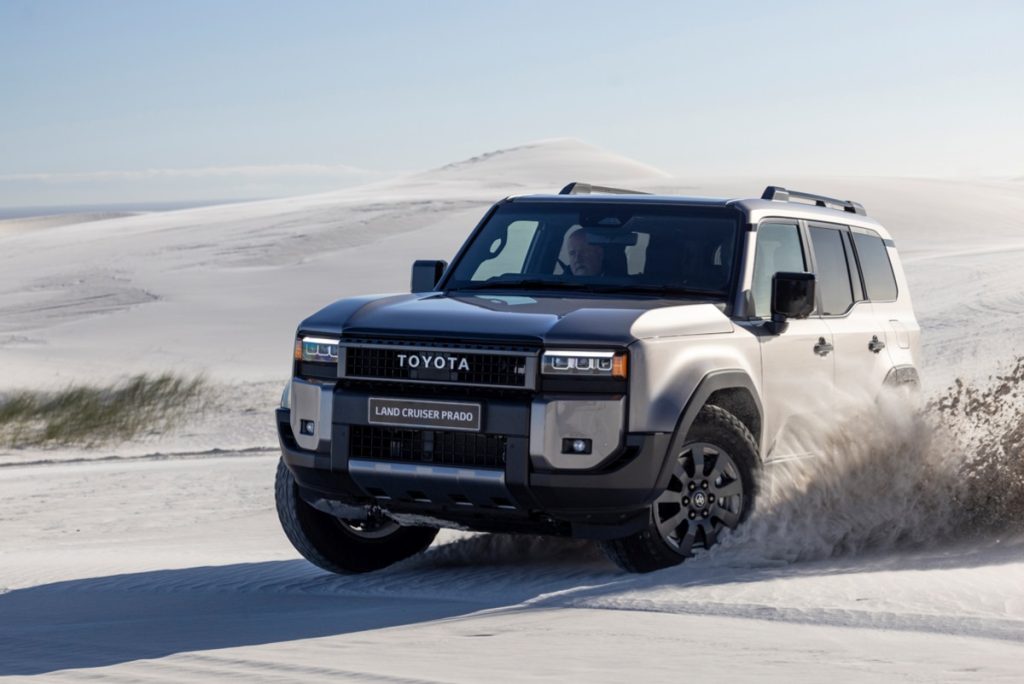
pixel 433 364
pixel 437 447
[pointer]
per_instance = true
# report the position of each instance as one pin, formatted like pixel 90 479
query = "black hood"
pixel 531 319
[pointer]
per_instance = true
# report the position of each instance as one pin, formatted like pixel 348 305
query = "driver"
pixel 585 259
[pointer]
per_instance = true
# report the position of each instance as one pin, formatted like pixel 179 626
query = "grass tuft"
pixel 91 416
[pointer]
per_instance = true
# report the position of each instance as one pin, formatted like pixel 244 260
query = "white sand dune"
pixel 175 568
pixel 36 223
pixel 166 290
pixel 170 290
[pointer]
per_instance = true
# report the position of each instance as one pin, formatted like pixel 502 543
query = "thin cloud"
pixel 269 171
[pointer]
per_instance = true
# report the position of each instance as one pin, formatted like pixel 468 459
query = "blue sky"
pixel 112 101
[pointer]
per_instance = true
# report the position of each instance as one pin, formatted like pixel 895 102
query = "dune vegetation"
pixel 90 415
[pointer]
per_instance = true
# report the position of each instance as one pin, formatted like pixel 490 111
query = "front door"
pixel 798 369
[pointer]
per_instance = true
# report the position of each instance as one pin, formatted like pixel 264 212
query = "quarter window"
pixel 833 274
pixel 778 249
pixel 876 267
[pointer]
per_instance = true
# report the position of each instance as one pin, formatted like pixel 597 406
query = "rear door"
pixel 857 333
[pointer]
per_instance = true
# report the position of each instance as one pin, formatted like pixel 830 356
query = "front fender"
pixel 665 374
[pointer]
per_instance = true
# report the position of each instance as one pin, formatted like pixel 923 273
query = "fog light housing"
pixel 307 427
pixel 576 445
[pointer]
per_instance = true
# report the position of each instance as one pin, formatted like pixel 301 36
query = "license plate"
pixel 444 415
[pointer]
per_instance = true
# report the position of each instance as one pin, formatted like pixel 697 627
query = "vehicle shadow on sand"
pixel 101 621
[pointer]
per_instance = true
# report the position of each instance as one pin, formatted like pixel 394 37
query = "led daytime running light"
pixel 316 350
pixel 593 363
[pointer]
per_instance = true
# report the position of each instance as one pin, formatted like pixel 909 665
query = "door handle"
pixel 822 348
pixel 876 345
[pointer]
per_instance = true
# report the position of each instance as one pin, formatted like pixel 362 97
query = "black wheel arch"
pixel 730 389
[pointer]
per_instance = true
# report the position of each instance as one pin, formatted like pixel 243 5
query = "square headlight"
pixel 316 350
pixel 608 364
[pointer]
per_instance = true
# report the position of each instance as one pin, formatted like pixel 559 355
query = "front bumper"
pixel 524 493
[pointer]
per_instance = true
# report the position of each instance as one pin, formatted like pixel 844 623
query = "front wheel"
pixel 711 489
pixel 343 546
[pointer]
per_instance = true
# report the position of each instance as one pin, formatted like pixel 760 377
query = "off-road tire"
pixel 327 542
pixel 647 550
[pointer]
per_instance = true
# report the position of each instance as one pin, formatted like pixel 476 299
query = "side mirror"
pixel 425 274
pixel 792 297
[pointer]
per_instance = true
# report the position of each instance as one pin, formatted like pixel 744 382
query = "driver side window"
pixel 778 249
pixel 508 253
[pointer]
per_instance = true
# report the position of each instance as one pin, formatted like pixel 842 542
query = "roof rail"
pixel 774 192
pixel 575 188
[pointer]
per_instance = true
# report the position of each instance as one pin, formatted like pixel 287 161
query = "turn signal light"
pixel 620 366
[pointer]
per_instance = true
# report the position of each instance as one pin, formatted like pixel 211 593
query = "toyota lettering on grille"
pixel 436 361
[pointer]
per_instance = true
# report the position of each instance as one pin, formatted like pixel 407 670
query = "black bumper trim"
pixel 597 505
pixel 586 497
pixel 314 470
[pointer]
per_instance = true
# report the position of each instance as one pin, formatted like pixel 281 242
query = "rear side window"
pixel 833 273
pixel 879 280
pixel 778 249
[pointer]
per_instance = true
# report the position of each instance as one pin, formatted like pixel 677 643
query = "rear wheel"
pixel 343 546
pixel 711 490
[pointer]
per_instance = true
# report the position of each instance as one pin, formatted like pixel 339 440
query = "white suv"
pixel 598 363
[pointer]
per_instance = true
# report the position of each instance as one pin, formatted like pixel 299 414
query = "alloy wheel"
pixel 704 497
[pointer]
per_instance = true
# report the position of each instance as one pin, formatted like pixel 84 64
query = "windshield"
pixel 602 247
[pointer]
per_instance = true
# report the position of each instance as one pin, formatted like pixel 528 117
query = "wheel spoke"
pixel 669 496
pixel 730 489
pixel 710 534
pixel 728 518
pixel 721 460
pixel 698 460
pixel 679 472
pixel 672 523
pixel 686 541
